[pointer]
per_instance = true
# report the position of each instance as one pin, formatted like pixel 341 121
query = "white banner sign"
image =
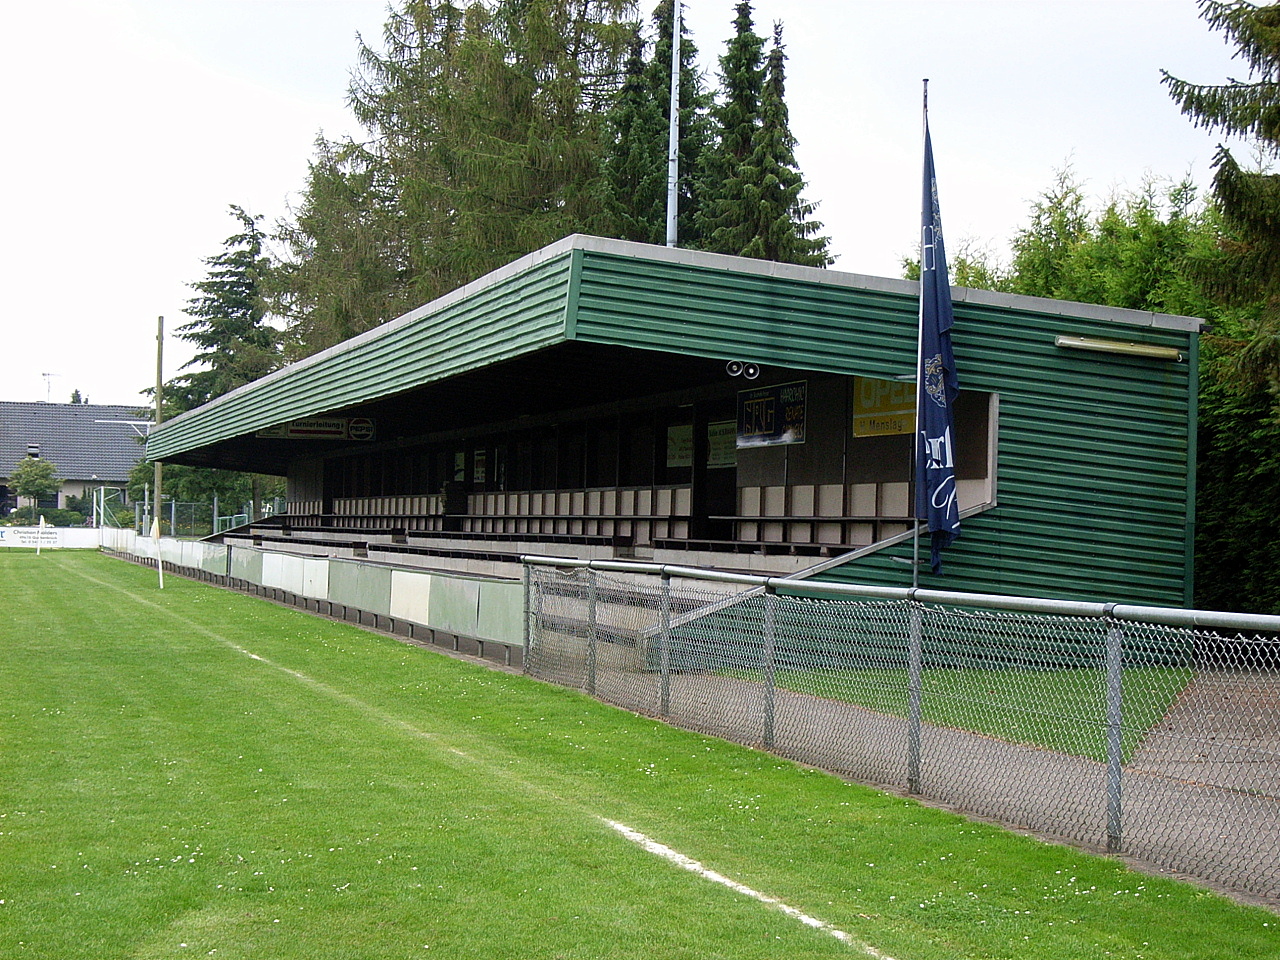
pixel 83 538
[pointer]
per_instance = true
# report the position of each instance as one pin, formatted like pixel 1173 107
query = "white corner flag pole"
pixel 155 535
pixel 39 534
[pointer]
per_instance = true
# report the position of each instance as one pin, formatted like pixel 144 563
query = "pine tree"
pixel 347 268
pixel 752 204
pixel 635 169
pixel 726 220
pixel 489 120
pixel 1249 109
pixel 1244 272
pixel 485 132
pixel 234 342
pixel 783 230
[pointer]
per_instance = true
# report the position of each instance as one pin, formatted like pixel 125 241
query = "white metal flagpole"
pixel 915 434
pixel 673 132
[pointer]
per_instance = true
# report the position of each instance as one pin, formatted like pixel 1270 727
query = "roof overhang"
pixel 589 321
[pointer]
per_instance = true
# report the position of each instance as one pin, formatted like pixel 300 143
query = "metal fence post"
pixel 768 660
pixel 526 660
pixel 915 664
pixel 1115 731
pixel 592 600
pixel 664 653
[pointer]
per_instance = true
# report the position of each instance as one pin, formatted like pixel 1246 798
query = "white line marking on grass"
pixel 693 866
pixel 635 836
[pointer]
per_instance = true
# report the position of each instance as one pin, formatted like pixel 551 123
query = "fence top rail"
pixel 1169 616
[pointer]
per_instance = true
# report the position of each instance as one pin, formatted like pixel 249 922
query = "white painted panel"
pixel 273 570
pixel 410 596
pixel 291 574
pixel 315 577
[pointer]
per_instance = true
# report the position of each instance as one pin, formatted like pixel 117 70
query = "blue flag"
pixel 937 386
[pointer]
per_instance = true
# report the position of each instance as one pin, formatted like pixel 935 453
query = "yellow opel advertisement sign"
pixel 883 408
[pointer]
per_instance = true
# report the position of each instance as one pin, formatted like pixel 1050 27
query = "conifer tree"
pixel 1245 270
pixel 235 344
pixel 485 131
pixel 635 175
pixel 783 230
pixel 725 219
pixel 752 204
pixel 347 267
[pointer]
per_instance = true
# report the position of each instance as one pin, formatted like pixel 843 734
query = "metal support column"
pixel 1115 732
pixel 768 661
pixel 664 653
pixel 592 601
pixel 915 682
pixel 528 618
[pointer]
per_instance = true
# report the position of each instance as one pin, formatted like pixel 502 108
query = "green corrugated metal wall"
pixel 1092 471
pixel 1092 475
pixel 717 313
pixel 516 315
pixel 1092 451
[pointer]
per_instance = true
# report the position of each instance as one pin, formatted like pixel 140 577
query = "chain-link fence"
pixel 196 520
pixel 1148 732
pixel 183 520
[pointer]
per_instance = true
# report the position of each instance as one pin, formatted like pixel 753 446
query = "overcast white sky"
pixel 132 124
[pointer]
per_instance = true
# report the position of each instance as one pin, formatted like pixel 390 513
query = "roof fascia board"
pixel 571 301
pixel 494 277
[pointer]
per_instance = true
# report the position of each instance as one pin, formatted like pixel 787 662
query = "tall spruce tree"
pixel 1244 272
pixel 490 120
pixel 347 267
pixel 235 343
pixel 752 204
pixel 485 131
pixel 726 220
pixel 635 169
pixel 783 229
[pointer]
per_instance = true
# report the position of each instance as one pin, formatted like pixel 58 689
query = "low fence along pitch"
pixel 1149 732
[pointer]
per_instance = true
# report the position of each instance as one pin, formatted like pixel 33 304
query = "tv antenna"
pixel 48 385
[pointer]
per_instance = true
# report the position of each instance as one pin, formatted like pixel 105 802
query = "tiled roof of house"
pixel 72 438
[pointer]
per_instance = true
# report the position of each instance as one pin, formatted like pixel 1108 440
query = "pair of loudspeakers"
pixel 736 368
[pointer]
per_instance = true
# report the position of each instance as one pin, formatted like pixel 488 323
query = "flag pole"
pixel 915 433
pixel 673 130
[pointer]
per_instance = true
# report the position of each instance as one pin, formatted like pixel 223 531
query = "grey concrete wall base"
pixel 495 651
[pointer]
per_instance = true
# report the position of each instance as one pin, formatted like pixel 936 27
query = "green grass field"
pixel 195 773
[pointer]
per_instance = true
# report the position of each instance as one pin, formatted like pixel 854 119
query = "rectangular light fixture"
pixel 1121 347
